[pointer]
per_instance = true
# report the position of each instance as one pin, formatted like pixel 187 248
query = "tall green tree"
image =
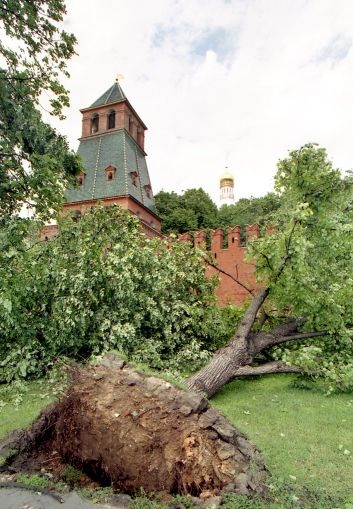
pixel 35 161
pixel 192 210
pixel 249 211
pixel 306 268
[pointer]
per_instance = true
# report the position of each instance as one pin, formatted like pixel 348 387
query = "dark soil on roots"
pixel 133 431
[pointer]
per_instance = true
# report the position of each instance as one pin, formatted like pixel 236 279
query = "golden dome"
pixel 226 175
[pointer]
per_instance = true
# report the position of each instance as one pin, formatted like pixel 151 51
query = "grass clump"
pixel 71 475
pixel 33 481
pixel 97 495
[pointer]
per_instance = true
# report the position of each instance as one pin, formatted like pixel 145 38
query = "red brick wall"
pixel 231 259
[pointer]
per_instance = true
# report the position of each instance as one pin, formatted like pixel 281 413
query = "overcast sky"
pixel 220 83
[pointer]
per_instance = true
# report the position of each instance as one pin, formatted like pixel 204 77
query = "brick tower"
pixel 114 161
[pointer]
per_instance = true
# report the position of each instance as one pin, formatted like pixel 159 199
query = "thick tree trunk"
pixel 239 352
pixel 235 359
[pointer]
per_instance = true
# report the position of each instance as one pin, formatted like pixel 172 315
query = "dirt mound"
pixel 132 430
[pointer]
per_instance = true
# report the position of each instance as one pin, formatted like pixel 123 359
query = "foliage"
pixel 312 250
pixel 35 161
pixel 34 481
pixel 249 211
pixel 193 210
pixel 100 285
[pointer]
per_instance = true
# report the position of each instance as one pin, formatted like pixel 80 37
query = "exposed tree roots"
pixel 136 431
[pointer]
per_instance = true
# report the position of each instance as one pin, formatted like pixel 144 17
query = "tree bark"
pixel 239 351
pixel 236 357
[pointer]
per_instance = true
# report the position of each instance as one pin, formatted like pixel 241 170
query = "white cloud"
pixel 234 83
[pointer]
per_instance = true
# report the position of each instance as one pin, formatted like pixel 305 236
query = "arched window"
pixel 111 119
pixel 131 123
pixel 148 190
pixel 94 123
pixel 110 172
pixel 134 176
pixel 81 178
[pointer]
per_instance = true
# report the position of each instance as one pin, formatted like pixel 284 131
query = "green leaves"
pixel 43 48
pixel 102 285
pixel 35 161
pixel 313 236
pixel 193 210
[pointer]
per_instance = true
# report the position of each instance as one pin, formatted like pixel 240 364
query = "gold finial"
pixel 119 77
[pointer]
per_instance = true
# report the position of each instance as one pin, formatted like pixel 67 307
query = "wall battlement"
pixel 222 238
pixel 228 248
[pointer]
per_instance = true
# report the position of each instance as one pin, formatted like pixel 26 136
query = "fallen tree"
pixel 306 266
pixel 299 322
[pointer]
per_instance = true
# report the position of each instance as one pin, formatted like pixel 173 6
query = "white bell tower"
pixel 226 186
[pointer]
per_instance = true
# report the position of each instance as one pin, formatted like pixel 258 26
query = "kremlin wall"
pixel 115 171
pixel 228 253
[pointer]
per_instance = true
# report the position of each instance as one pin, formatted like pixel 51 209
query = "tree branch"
pixel 236 280
pixel 281 334
pixel 266 369
pixel 287 255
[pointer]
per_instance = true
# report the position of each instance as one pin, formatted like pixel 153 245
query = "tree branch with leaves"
pixel 36 163
pixel 306 269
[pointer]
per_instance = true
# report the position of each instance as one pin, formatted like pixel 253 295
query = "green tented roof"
pixel 117 149
pixel 113 94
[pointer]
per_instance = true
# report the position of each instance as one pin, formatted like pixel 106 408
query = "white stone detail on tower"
pixel 226 186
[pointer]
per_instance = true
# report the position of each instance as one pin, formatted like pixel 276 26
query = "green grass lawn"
pixel 19 407
pixel 305 437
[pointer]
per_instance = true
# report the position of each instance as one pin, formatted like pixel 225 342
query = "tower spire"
pixel 114 160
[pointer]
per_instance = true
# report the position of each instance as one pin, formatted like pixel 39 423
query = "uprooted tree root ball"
pixel 135 431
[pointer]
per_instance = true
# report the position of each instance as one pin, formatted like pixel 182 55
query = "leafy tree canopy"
pixel 35 161
pixel 192 210
pixel 314 244
pixel 103 285
pixel 303 315
pixel 249 211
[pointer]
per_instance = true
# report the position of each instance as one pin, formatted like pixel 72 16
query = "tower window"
pixel 111 119
pixel 148 190
pixel 81 178
pixel 94 123
pixel 110 172
pixel 131 123
pixel 134 176
pixel 139 136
